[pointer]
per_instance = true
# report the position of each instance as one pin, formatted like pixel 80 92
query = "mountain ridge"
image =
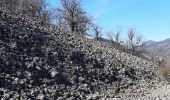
pixel 160 48
pixel 165 41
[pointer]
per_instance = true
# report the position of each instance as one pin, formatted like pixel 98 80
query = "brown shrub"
pixel 164 70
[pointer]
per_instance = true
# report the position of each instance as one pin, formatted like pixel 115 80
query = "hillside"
pixel 38 62
pixel 160 48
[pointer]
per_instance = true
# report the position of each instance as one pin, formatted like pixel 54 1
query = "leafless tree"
pixel 25 6
pixel 9 5
pixel 72 15
pixel 97 31
pixel 135 41
pixel 114 37
pixel 46 16
pixel 36 8
pixel 153 55
pixel 33 7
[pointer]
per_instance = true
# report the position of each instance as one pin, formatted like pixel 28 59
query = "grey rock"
pixel 40 97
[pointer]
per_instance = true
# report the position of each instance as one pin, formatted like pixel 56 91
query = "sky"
pixel 150 18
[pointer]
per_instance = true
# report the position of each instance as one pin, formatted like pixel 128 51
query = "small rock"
pixel 53 73
pixel 40 97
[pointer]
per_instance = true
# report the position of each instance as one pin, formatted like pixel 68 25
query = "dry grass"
pixel 164 70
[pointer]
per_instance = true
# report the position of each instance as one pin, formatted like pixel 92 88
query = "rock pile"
pixel 38 62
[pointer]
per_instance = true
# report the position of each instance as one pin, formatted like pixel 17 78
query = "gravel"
pixel 38 62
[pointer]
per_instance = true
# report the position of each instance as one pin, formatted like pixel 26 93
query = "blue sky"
pixel 151 18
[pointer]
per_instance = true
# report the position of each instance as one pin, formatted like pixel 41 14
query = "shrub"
pixel 164 70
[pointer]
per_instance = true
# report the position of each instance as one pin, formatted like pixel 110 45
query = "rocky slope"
pixel 38 62
pixel 160 92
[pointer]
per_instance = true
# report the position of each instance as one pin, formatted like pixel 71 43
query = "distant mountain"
pixel 159 43
pixel 161 48
pixel 149 42
pixel 101 39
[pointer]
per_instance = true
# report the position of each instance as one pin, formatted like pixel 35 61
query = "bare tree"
pixel 97 31
pixel 72 14
pixel 153 55
pixel 135 41
pixel 36 8
pixel 46 16
pixel 25 6
pixel 114 37
pixel 33 7
pixel 84 24
pixel 9 5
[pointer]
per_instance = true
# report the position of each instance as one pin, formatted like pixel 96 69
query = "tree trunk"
pixel 73 26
